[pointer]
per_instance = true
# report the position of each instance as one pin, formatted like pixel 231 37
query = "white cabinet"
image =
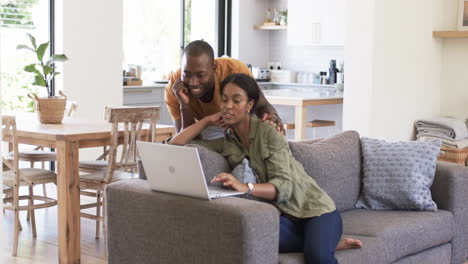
pixel 154 96
pixel 316 22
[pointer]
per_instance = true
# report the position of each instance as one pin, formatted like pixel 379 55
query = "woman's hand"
pixel 229 181
pixel 214 120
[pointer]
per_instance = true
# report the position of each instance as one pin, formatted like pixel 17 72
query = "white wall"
pixel 454 88
pixel 90 34
pixel 249 45
pixel 398 79
pixel 454 79
pixel 359 74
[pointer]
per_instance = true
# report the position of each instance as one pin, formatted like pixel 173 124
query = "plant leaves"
pixel 59 58
pixel 33 40
pixel 39 81
pixel 47 69
pixel 53 75
pixel 32 68
pixel 25 47
pixel 41 50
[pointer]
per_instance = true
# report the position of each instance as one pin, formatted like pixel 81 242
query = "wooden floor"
pixel 43 249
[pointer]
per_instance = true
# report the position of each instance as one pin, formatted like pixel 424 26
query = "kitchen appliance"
pixel 323 77
pixel 283 76
pixel 261 74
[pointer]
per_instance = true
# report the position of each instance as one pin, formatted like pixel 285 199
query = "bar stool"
pixel 313 124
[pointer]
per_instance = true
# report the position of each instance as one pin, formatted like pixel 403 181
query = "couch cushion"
pixel 212 162
pixel 335 164
pixel 437 255
pixel 371 252
pixel 402 232
pixel 398 175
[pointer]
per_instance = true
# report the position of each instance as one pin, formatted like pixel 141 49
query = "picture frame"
pixel 463 15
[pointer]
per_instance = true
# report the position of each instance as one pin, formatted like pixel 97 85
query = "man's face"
pixel 197 73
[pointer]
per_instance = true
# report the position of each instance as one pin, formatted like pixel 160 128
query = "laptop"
pixel 178 170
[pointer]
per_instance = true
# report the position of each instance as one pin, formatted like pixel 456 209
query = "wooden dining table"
pixel 67 138
pixel 300 98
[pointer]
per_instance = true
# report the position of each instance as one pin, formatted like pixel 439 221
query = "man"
pixel 193 91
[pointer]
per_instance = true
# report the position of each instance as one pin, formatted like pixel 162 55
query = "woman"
pixel 309 221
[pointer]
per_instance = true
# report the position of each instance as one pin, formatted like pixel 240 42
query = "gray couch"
pixel 151 227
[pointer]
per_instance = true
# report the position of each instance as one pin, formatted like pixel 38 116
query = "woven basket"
pixel 454 155
pixel 49 110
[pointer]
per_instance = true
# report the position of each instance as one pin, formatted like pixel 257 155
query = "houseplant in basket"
pixel 50 109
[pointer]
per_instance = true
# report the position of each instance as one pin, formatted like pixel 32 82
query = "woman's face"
pixel 235 104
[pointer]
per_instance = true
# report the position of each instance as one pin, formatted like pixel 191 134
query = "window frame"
pixel 224 26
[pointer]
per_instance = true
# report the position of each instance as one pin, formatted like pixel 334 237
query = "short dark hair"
pixel 199 47
pixel 246 83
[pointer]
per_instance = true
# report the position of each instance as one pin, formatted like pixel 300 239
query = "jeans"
pixel 317 237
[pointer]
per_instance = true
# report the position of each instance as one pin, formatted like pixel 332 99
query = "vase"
pixel 50 110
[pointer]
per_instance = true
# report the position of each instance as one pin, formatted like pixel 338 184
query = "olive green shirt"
pixel 271 159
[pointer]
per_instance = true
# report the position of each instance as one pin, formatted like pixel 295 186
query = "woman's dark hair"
pixel 246 83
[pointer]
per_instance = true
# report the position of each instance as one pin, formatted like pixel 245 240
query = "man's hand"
pixel 229 181
pixel 274 119
pixel 181 92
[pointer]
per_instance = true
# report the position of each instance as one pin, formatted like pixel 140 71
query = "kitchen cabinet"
pixel 148 95
pixel 316 22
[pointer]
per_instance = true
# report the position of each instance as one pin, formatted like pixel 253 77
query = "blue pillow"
pixel 244 173
pixel 398 175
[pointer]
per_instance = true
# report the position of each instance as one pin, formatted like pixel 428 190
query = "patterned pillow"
pixel 398 175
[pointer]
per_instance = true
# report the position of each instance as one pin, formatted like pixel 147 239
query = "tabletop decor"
pixel 50 109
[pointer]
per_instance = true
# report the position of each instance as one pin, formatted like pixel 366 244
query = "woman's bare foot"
pixel 348 243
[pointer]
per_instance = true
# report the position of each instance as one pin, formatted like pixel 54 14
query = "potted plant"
pixel 50 109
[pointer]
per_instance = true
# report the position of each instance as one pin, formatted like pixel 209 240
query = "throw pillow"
pixel 398 175
pixel 244 173
pixel 335 164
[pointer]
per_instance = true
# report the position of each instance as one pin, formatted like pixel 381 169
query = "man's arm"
pixel 186 115
pixel 265 111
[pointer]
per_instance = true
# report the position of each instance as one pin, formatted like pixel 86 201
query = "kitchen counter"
pixel 261 84
pixel 300 99
pixel 298 84
pixel 303 94
pixel 155 85
pixel 288 94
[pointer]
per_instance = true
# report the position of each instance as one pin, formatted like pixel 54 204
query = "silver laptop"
pixel 177 169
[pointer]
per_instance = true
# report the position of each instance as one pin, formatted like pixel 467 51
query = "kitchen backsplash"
pixel 312 58
pixel 301 58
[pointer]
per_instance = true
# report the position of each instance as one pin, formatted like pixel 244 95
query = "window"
pixel 16 19
pixel 155 32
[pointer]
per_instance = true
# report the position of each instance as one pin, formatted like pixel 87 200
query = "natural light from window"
pixel 16 19
pixel 152 33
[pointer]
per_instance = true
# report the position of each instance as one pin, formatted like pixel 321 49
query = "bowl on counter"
pixel 161 81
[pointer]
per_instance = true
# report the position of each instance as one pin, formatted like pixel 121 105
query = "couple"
pixel 309 221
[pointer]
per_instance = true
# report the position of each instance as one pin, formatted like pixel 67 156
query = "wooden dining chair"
pixel 38 154
pixel 123 155
pixel 16 177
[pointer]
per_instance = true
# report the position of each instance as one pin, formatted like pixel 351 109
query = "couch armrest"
pixel 153 227
pixel 450 192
